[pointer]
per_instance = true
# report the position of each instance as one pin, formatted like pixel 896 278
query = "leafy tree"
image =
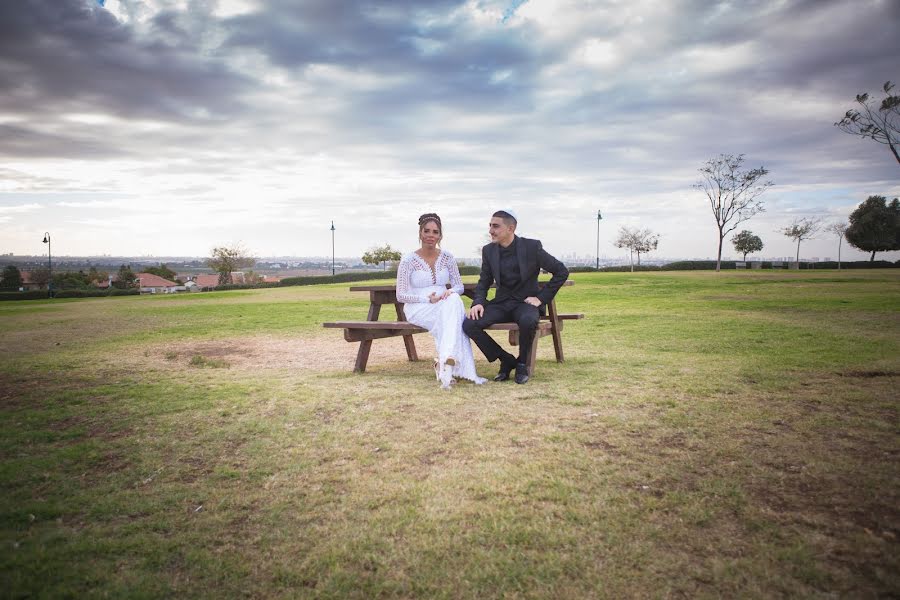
pixel 125 278
pixel 747 243
pixel 882 124
pixel 381 254
pixel 802 229
pixel 11 278
pixel 40 276
pixel 162 271
pixel 224 260
pixel 875 226
pixel 70 280
pixel 838 228
pixel 637 241
pixel 95 276
pixel 733 193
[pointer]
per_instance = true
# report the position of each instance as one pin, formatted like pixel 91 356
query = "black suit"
pixel 509 302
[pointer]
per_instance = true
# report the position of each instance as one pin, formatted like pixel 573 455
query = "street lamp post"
pixel 49 265
pixel 332 248
pixel 598 239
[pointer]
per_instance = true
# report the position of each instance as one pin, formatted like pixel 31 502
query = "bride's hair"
pixel 430 217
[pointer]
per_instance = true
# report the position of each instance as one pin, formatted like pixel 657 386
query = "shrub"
pixel 29 295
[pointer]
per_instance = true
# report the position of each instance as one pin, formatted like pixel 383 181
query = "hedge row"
pixel 729 265
pixel 42 294
pixel 616 269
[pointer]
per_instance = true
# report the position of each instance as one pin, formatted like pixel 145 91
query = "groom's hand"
pixel 476 311
pixel 532 300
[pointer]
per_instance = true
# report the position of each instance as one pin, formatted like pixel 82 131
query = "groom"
pixel 513 263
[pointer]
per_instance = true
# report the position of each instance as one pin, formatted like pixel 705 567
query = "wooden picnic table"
pixel 371 329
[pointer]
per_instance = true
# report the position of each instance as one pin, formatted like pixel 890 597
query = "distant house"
pixel 270 279
pixel 27 283
pixel 206 281
pixel 154 284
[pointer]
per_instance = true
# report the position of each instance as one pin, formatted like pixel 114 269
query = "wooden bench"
pixel 372 329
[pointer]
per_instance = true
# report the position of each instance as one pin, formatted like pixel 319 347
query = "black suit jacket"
pixel 532 258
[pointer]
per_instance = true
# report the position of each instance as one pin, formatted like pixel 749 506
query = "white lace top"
pixel 416 280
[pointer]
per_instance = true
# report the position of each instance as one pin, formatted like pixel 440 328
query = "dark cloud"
pixel 72 55
pixel 446 59
pixel 24 142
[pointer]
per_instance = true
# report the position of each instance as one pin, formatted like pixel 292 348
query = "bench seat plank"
pixel 406 326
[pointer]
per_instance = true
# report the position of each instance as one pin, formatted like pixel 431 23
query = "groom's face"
pixel 501 232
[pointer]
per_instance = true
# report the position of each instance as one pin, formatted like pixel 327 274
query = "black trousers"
pixel 525 315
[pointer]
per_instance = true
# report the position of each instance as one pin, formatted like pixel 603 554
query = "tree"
pixel 881 124
pixel 802 229
pixel 637 241
pixel 733 193
pixel 70 280
pixel 381 254
pixel 162 271
pixel 747 243
pixel 875 226
pixel 125 278
pixel 40 276
pixel 11 278
pixel 227 259
pixel 95 276
pixel 838 228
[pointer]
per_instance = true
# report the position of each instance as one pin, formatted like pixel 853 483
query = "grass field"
pixel 713 435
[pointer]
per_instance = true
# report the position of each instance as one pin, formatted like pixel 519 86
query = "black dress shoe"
pixel 521 373
pixel 505 369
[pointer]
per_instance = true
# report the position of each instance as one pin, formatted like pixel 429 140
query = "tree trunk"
pixel 719 255
pixel 631 258
pixel 745 257
pixel 872 258
pixel 894 150
pixel 798 254
pixel 839 252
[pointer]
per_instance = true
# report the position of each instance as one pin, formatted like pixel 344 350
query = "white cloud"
pixel 264 121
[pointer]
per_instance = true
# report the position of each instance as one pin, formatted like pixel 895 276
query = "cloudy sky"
pixel 165 127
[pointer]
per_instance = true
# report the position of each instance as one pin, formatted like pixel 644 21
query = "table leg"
pixel 532 356
pixel 554 329
pixel 407 339
pixel 362 356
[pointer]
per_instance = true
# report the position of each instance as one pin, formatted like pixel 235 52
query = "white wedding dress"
pixel 416 281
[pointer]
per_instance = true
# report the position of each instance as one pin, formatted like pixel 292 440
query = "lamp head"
pixel 46 238
pixel 598 215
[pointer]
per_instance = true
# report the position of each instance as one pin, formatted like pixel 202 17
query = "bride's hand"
pixel 433 298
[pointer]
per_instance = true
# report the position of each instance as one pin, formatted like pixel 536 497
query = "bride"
pixel 422 279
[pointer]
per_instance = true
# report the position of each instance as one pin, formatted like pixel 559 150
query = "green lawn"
pixel 714 435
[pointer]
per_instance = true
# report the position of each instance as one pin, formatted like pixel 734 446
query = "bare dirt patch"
pixel 315 352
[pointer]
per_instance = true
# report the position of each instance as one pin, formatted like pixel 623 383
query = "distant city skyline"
pixel 167 127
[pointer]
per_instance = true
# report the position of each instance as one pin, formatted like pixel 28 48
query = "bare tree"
pixel 882 124
pixel 838 228
pixel 637 241
pixel 224 260
pixel 802 229
pixel 733 193
pixel 40 276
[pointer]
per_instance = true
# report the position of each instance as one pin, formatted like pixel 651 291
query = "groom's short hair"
pixel 508 219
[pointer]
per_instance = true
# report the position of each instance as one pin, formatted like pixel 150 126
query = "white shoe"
pixel 445 374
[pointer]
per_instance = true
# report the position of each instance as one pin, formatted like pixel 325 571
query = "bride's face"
pixel 430 235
